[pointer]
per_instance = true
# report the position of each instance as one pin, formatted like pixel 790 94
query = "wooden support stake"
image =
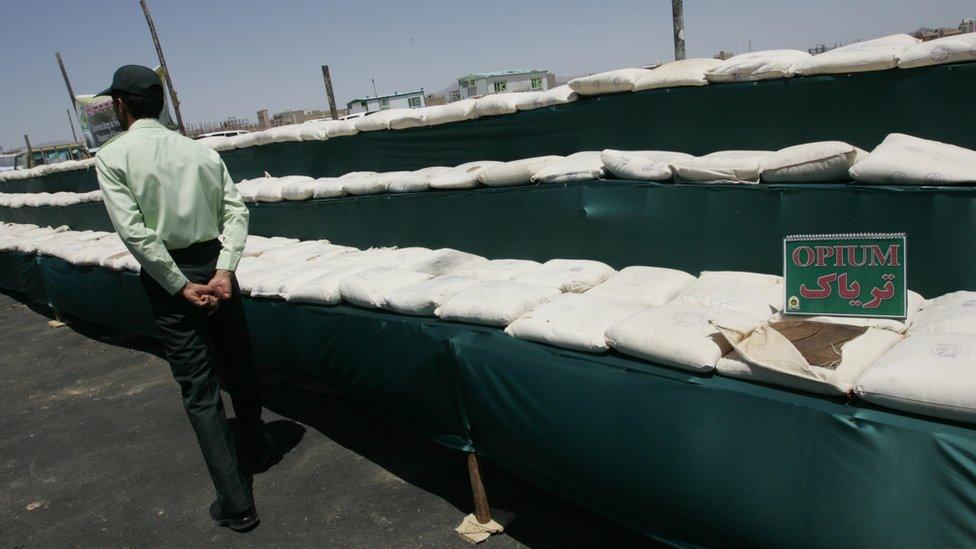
pixel 482 511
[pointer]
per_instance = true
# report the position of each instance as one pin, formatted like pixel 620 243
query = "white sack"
pixel 325 289
pixel 366 184
pixel 217 142
pixel 497 269
pixel 758 65
pixel 820 162
pixel 328 187
pixel 271 282
pixel 572 321
pixel 315 131
pixel 464 176
pixel 379 120
pixel 950 49
pixel 615 81
pixel 856 356
pixel 368 288
pixel 412 118
pixel 251 139
pixel 269 189
pixel 256 245
pixel 575 167
pixel 452 112
pixel 340 128
pixel 423 298
pixel 560 95
pixel 297 187
pixel 286 133
pixel 648 286
pixel 568 275
pixel 902 159
pixel 677 335
pixel 953 313
pixel 498 103
pixel 721 166
pixel 871 55
pixel 300 252
pixel 516 172
pixel 757 295
pixel 926 374
pixel 442 261
pixel 496 303
pixel 406 182
pixel 641 165
pixel 686 72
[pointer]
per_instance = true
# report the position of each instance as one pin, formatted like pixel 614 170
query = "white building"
pixel 407 100
pixel 484 83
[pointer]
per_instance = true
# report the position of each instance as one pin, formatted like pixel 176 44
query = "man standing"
pixel 178 211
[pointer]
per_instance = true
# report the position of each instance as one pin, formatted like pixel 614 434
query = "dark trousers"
pixel 198 347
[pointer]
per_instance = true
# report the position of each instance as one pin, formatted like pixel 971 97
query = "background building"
pixel 483 83
pixel 407 100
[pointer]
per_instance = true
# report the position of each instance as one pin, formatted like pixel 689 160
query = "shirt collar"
pixel 145 123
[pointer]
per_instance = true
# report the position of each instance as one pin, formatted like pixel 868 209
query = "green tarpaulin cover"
pixel 689 227
pixel 860 108
pixel 694 459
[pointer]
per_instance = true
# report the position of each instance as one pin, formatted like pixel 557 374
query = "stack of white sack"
pixel 871 55
pixel 423 298
pixel 758 65
pixel 44 199
pixel 902 159
pixel 950 49
pixel 572 321
pixel 647 286
pixel 47 169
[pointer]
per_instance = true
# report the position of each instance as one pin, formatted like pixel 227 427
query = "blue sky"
pixel 232 58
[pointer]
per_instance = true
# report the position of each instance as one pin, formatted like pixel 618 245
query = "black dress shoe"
pixel 235 521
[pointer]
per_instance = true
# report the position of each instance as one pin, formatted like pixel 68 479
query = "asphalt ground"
pixel 95 451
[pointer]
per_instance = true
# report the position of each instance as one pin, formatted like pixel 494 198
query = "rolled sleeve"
pixel 234 219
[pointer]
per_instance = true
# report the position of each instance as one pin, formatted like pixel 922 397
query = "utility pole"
pixel 328 92
pixel 67 83
pixel 30 152
pixel 72 122
pixel 678 16
pixel 162 63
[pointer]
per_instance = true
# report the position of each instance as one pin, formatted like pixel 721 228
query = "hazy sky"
pixel 232 58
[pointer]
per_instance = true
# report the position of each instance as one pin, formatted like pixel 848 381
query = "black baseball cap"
pixel 136 80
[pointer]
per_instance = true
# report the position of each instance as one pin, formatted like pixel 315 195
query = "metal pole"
pixel 162 63
pixel 72 122
pixel 677 15
pixel 67 83
pixel 328 92
pixel 30 152
pixel 482 512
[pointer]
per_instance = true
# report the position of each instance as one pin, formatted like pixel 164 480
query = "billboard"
pixel 98 120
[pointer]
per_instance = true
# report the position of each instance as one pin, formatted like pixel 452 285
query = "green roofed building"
pixel 406 100
pixel 484 83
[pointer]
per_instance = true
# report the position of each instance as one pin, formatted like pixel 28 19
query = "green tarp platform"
pixel 689 227
pixel 688 458
pixel 861 108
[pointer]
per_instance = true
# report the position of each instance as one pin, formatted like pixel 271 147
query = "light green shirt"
pixel 164 192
